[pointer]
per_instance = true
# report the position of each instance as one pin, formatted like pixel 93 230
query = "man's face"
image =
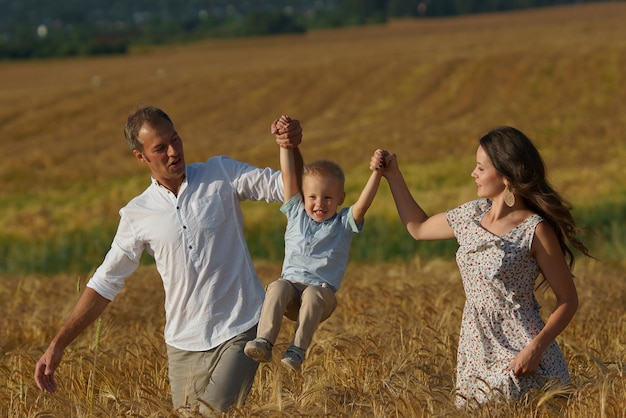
pixel 163 153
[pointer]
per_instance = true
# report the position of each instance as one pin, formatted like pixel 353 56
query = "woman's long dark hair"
pixel 517 159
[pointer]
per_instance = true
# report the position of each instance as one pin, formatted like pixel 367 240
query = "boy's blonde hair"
pixel 325 169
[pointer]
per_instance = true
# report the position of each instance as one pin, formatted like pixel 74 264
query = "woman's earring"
pixel 509 198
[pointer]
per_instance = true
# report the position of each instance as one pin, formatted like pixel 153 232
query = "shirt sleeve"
pixel 253 183
pixel 351 223
pixel 120 262
pixel 294 204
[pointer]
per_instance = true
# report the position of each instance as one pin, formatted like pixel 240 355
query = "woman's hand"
pixel 526 362
pixel 380 160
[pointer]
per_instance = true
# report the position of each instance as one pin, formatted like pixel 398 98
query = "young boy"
pixel 317 246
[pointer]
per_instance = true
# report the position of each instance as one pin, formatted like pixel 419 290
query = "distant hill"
pixel 35 29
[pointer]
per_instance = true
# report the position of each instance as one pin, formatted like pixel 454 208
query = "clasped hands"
pixel 288 132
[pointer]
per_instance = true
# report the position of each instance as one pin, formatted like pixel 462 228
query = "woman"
pixel 518 228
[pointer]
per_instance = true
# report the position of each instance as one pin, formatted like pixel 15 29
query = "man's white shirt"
pixel 212 291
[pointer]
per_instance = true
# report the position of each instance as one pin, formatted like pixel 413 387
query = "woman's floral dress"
pixel 501 314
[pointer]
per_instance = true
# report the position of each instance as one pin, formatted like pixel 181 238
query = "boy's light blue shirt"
pixel 317 252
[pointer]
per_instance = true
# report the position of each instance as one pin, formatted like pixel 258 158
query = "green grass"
pixel 75 251
pixel 383 239
pixel 604 227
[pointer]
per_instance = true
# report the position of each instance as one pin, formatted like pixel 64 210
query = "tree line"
pixel 35 29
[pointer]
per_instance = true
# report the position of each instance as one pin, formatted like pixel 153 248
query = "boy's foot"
pixel 259 349
pixel 293 358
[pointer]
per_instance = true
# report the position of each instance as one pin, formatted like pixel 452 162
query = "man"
pixel 190 221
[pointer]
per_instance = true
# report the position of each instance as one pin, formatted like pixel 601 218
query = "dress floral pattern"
pixel 501 315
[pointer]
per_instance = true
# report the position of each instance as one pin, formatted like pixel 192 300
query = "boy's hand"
pixel 288 132
pixel 280 125
pixel 379 160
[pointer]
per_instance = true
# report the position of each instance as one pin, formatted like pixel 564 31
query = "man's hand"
pixel 288 132
pixel 44 370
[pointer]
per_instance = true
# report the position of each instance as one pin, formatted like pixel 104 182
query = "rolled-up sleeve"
pixel 120 262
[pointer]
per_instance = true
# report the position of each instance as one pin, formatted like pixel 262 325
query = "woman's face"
pixel 489 183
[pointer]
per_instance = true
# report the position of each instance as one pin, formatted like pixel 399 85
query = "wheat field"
pixel 425 89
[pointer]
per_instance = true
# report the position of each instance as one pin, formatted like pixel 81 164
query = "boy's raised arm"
pixel 288 168
pixel 367 194
pixel 291 163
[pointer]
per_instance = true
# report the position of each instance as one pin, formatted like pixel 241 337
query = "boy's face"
pixel 322 196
